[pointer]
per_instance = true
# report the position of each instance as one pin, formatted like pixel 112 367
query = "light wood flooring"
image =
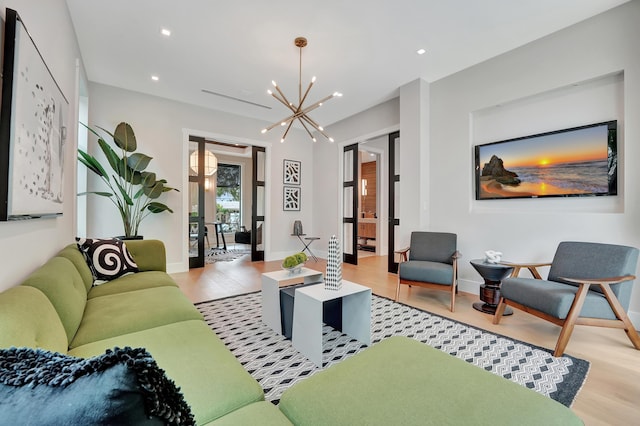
pixel 610 396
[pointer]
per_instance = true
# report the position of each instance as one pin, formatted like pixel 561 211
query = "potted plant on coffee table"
pixel 133 189
pixel 294 263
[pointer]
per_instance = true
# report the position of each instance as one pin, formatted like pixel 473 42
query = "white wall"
pixel 535 86
pixel 160 125
pixel 25 245
pixel 415 153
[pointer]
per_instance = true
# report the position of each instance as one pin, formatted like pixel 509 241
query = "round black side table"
pixel 493 274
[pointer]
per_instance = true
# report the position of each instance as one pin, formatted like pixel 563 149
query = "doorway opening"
pixel 368 240
pixel 221 201
pixel 370 200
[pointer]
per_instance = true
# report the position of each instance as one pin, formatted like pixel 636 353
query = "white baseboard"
pixel 468 286
pixel 283 254
pixel 174 268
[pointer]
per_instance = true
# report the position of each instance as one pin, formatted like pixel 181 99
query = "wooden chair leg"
pixel 534 272
pixel 453 297
pixel 621 314
pixel 398 290
pixel 499 311
pixel 570 321
pixel 454 285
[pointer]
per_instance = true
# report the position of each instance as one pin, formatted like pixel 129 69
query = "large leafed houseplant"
pixel 133 189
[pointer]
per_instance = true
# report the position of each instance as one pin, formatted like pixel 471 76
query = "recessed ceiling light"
pixel 166 32
pixel 155 78
pixel 421 51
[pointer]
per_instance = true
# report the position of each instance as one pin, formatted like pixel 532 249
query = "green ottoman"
pixel 401 381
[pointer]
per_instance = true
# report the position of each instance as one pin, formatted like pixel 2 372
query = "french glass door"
pixel 196 204
pixel 350 204
pixel 394 198
pixel 258 203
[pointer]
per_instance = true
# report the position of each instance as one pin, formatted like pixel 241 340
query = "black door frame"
pixel 256 254
pixel 351 258
pixel 198 261
pixel 394 176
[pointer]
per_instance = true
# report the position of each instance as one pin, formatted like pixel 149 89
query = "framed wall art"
pixel 291 198
pixel 575 162
pixel 33 119
pixel 291 172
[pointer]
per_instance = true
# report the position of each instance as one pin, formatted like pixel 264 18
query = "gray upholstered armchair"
pixel 588 284
pixel 431 261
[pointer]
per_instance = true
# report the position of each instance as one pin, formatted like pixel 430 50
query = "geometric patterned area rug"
pixel 221 255
pixel 276 365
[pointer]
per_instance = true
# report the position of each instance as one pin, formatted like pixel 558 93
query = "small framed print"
pixel 291 172
pixel 291 198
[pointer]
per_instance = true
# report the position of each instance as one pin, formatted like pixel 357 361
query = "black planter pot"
pixel 133 237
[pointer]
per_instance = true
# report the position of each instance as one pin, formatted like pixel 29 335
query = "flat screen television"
pixel 575 162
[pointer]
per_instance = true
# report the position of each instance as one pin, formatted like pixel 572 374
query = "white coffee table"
pixel 307 316
pixel 271 283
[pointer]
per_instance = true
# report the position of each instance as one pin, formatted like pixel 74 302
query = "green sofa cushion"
pixel 429 387
pixel 116 314
pixel 150 255
pixel 60 281
pixel 261 413
pixel 27 319
pixel 211 379
pixel 132 282
pixel 72 253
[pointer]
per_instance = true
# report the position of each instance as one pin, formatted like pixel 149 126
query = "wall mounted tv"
pixel 575 162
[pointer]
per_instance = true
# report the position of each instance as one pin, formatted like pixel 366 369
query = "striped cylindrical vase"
pixel 333 277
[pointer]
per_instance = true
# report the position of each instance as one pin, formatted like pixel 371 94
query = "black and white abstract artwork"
pixel 291 198
pixel 291 172
pixel 38 133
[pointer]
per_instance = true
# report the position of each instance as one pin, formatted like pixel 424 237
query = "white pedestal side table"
pixel 271 283
pixel 307 316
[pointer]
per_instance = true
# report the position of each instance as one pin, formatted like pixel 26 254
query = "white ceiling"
pixel 365 49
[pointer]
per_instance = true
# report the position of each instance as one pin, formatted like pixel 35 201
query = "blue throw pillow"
pixel 121 387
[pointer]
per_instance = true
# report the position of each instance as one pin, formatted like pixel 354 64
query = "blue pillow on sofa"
pixel 123 386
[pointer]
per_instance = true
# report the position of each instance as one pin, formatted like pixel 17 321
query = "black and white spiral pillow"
pixel 108 259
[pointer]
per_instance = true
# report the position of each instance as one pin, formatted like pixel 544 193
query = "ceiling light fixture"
pixel 166 32
pixel 300 112
pixel 210 162
pixel 421 51
pixel 155 78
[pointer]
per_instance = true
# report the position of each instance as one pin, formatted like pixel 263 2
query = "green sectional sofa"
pixel 397 381
pixel 57 309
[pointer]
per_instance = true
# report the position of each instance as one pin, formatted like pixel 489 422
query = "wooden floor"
pixel 610 396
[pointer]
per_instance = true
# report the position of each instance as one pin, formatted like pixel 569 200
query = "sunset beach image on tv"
pixel 580 161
